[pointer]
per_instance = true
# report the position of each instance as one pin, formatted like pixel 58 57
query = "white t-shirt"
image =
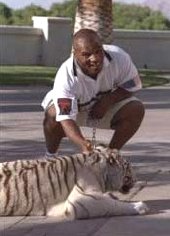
pixel 73 91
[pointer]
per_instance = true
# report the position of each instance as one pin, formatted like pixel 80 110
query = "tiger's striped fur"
pixel 68 187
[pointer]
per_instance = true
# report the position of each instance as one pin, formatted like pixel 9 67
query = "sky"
pixel 16 4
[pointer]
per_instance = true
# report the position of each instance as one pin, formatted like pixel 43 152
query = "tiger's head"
pixel 116 170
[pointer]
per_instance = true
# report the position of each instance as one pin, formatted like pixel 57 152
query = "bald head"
pixel 86 36
pixel 88 52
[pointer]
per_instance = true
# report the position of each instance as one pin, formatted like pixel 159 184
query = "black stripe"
pixel 7 174
pixel 8 191
pixel 112 196
pixel 87 103
pixel 15 165
pixel 50 102
pixel 74 168
pixel 6 186
pixel 55 171
pixel 79 188
pixel 58 177
pixel 32 202
pixel 85 209
pixel 50 180
pixel 96 159
pixel 43 164
pixel 12 207
pixel 1 177
pixel 25 181
pixel 17 192
pixel 7 199
pixel 85 194
pixel 108 56
pixel 22 165
pixel 94 98
pixel 65 173
pixel 74 69
pixel 85 157
pixel 61 164
pixel 74 208
pixel 79 160
pixel 39 189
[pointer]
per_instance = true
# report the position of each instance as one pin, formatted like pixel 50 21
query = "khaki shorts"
pixel 105 122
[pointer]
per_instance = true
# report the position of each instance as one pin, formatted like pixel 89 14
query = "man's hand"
pixel 73 132
pixel 88 147
pixel 100 108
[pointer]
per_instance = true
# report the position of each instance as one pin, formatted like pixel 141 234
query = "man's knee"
pixel 51 125
pixel 50 117
pixel 136 109
pixel 132 112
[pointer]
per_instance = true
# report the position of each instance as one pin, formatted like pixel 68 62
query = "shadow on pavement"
pixel 125 225
pixel 136 152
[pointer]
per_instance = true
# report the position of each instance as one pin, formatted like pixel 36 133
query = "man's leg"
pixel 53 130
pixel 126 122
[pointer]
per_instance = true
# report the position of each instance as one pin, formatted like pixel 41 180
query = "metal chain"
pixel 93 124
pixel 93 140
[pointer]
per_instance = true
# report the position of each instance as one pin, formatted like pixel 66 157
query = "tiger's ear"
pixel 101 147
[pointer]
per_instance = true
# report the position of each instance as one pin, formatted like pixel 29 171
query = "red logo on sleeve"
pixel 64 106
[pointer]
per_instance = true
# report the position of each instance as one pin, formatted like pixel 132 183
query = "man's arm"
pixel 73 132
pixel 101 107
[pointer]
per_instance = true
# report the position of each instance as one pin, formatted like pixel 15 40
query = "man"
pixel 96 83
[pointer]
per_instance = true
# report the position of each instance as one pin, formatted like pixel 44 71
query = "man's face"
pixel 89 55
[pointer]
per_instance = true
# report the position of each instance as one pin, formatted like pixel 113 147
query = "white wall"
pixel 20 45
pixel 49 41
pixel 150 48
pixel 57 33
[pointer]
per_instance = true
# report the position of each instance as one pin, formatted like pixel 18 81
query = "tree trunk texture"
pixel 96 15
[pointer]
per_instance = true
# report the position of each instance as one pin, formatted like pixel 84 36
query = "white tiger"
pixel 68 187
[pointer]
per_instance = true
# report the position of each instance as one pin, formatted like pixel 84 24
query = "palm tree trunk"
pixel 96 15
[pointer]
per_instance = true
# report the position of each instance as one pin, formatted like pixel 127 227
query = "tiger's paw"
pixel 141 208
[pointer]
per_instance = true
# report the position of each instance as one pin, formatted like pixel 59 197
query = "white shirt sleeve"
pixel 128 77
pixel 64 96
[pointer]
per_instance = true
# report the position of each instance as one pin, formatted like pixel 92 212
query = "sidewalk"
pixel 149 150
